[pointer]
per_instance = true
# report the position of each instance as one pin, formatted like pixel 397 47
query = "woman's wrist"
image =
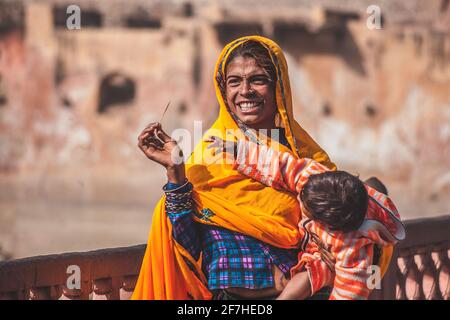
pixel 176 174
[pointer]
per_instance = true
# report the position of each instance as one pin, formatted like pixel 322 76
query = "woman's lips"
pixel 249 107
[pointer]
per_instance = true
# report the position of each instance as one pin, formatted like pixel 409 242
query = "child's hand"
pixel 222 145
pixel 326 256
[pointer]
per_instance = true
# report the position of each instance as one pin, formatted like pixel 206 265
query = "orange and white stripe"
pixel 352 251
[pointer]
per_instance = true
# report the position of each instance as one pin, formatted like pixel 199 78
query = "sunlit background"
pixel 72 103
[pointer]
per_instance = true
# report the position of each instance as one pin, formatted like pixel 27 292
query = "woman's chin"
pixel 251 120
pixel 256 122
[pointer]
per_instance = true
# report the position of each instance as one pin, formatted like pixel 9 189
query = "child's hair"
pixel 337 199
pixel 377 185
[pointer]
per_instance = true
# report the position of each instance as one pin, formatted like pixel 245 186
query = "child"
pixel 342 219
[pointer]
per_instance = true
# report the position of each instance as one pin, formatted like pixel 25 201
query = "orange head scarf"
pixel 226 198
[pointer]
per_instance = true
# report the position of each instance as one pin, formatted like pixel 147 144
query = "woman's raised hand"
pixel 161 148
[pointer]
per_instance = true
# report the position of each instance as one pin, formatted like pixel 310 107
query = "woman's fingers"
pixel 150 133
pixel 146 138
pixel 143 135
pixel 156 131
pixel 162 135
pixel 152 125
pixel 153 142
pixel 141 139
pixel 149 149
pixel 143 143
pixel 150 128
pixel 146 143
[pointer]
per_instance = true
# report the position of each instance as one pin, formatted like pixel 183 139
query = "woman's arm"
pixel 179 208
pixel 159 147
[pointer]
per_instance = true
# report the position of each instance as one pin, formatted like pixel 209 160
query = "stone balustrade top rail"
pixel 420 266
pixel 420 269
pixel 104 274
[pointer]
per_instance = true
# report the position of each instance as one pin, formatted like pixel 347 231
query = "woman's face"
pixel 250 93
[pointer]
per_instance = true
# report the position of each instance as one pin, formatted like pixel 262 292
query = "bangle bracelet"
pixel 186 181
pixel 177 207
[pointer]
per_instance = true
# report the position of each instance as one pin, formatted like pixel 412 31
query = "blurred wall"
pixel 72 103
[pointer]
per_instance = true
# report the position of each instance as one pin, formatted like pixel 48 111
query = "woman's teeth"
pixel 248 105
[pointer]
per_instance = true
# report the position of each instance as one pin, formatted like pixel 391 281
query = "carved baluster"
pixel 438 265
pixel 40 293
pixel 427 270
pixel 70 294
pixel 401 272
pixel 116 285
pixel 128 284
pixel 443 267
pixel 104 290
pixel 413 279
pixel 56 292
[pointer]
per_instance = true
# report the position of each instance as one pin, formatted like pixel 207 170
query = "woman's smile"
pixel 250 107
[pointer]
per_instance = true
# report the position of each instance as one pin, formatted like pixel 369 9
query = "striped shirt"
pixel 352 251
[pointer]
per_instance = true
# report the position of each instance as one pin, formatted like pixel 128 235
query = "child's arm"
pixel 352 272
pixel 320 273
pixel 298 288
pixel 279 170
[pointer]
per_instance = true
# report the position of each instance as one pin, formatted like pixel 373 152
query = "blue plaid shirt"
pixel 230 259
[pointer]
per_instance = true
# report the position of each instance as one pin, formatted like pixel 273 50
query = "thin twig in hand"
pixel 156 139
pixel 165 110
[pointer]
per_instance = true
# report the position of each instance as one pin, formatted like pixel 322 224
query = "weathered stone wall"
pixel 73 101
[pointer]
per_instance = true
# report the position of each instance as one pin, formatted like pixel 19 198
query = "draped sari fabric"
pixel 226 198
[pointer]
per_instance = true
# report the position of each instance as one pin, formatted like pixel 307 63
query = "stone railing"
pixel 107 274
pixel 419 270
pixel 420 267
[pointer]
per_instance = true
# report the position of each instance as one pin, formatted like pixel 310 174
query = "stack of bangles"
pixel 179 201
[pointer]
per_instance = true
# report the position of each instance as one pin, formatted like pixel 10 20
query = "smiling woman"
pixel 249 86
pixel 250 93
pixel 217 233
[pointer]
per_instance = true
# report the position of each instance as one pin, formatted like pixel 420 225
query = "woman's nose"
pixel 246 88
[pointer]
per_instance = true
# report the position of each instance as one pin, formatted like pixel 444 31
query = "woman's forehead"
pixel 244 66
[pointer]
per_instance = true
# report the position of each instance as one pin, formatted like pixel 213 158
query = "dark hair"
pixel 377 185
pixel 249 49
pixel 337 199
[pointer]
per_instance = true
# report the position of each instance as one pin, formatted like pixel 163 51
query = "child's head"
pixel 337 199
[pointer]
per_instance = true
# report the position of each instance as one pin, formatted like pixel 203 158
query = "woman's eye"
pixel 260 81
pixel 233 82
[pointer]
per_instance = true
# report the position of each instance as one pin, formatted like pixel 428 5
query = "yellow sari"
pixel 225 198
